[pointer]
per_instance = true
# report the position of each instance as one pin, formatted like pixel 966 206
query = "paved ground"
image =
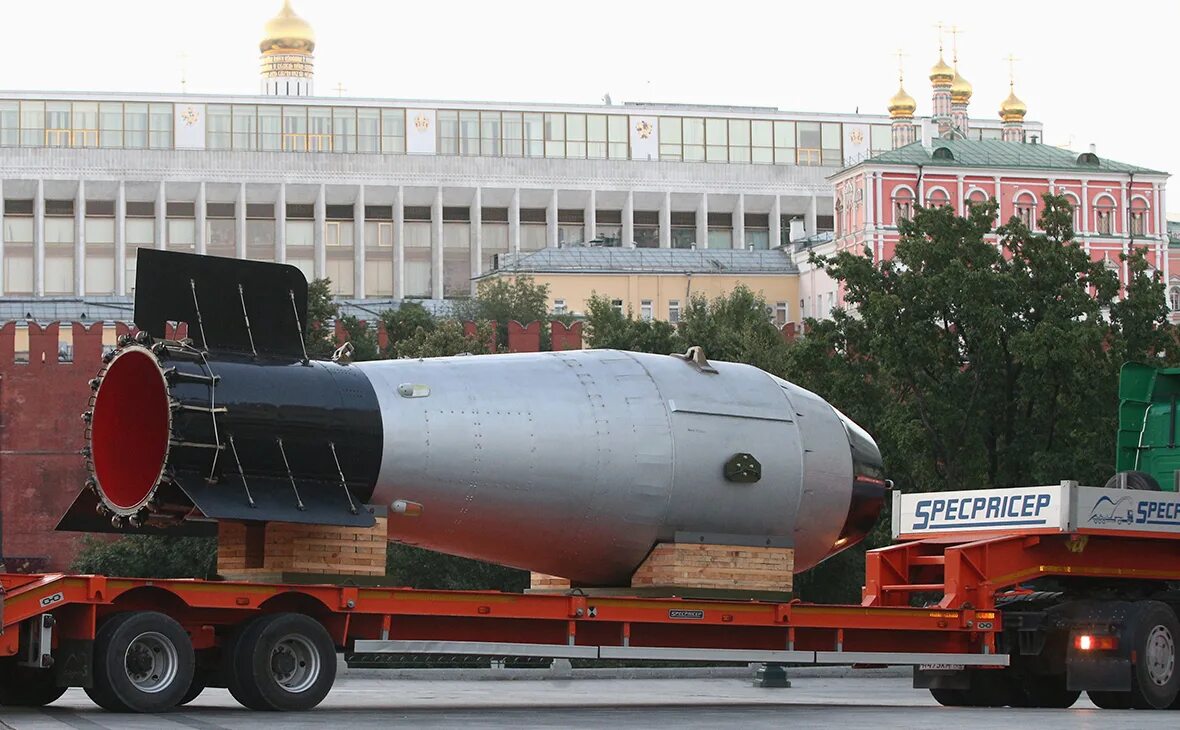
pixel 610 703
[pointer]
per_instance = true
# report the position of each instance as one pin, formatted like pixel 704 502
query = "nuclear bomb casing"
pixel 568 463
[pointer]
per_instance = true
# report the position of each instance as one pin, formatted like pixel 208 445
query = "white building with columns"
pixel 390 199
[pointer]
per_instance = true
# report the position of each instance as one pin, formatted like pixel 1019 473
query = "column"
pixel 240 224
pixel 2 283
pixel 199 212
pixel 776 222
pixel 666 221
pixel 809 224
pixel 80 240
pixel 1085 208
pixel 514 222
pixel 317 234
pixel 999 200
pixel 476 218
pixel 399 243
pixel 358 244
pixel 39 239
pixel 436 245
pixel 703 222
pixel 870 203
pixel 551 221
pixel 628 234
pixel 590 218
pixel 960 205
pixel 161 217
pixel 281 224
pixel 739 222
pixel 121 239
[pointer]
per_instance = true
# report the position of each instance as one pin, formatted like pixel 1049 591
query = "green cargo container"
pixel 1149 424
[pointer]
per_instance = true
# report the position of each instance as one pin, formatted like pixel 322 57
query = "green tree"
pixel 147 556
pixel 504 300
pixel 735 327
pixel 362 337
pixel 321 311
pixel 607 327
pixel 416 567
pixel 403 323
pixel 980 365
pixel 446 338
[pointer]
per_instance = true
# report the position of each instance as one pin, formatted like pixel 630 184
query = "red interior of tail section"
pixel 129 429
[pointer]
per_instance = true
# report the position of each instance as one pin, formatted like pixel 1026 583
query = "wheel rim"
pixel 151 662
pixel 1160 655
pixel 294 663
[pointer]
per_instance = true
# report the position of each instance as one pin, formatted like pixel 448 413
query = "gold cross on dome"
pixel 339 89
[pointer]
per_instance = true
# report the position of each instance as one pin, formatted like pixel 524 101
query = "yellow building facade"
pixel 656 284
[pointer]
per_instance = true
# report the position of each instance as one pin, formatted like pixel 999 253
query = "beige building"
pixel 654 283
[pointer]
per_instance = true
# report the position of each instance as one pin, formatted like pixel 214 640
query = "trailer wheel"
pixel 1111 700
pixel 1155 677
pixel 143 662
pixel 195 688
pixel 1047 691
pixel 1140 480
pixel 284 661
pixel 26 686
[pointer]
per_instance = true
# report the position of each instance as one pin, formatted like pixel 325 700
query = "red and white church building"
pixel 1117 206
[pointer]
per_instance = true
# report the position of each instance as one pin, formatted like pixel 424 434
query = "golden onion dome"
pixel 941 74
pixel 287 32
pixel 902 105
pixel 1013 109
pixel 961 89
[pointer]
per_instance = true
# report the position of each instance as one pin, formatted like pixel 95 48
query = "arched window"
pixel 977 197
pixel 1026 209
pixel 1139 210
pixel 937 198
pixel 1076 208
pixel 1174 298
pixel 903 204
pixel 1104 215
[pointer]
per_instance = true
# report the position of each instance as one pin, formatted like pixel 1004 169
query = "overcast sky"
pixel 1101 74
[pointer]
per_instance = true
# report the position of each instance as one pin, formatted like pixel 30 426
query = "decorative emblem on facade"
pixel 643 128
pixel 422 123
pixel 190 116
pixel 856 137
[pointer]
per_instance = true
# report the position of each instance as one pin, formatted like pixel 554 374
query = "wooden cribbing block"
pixel 257 551
pixel 733 567
pixel 543 582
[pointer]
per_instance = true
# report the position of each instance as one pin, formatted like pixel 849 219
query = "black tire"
pixel 1045 691
pixel 1155 677
pixel 1140 480
pixel 949 697
pixel 989 688
pixel 284 661
pixel 195 688
pixel 26 686
pixel 143 662
pixel 1111 700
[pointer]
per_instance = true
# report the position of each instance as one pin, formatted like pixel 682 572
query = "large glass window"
pixel 810 149
pixel 469 133
pixel 160 131
pixel 319 129
pixel 32 120
pixel 880 138
pixel 739 140
pixel 218 127
pixel 670 138
pixel 761 142
pixel 555 135
pixel 717 140
pixel 575 136
pixel 489 135
pixel 534 135
pixel 57 124
pixel 110 124
pixel 85 124
pixel 393 131
pixel 245 124
pixel 344 129
pixel 448 132
pixel 619 139
pixel 270 128
pixel 694 140
pixel 294 128
pixel 368 130
pixel 513 134
pixel 9 123
pixel 596 136
pixel 830 138
pixel 135 126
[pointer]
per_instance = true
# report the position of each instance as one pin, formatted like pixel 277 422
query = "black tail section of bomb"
pixel 233 422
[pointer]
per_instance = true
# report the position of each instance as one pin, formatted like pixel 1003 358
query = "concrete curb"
pixel 562 671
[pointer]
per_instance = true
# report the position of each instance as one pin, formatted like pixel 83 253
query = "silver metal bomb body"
pixel 577 463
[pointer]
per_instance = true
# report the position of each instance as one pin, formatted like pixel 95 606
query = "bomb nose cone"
pixel 868 486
